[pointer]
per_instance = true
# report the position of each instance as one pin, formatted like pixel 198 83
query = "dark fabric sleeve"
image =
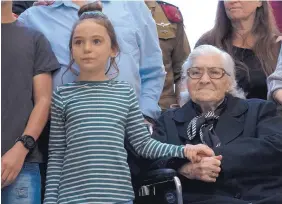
pixel 20 6
pixel 258 154
pixel 45 59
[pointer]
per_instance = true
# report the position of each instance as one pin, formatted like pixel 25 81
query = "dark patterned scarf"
pixel 203 126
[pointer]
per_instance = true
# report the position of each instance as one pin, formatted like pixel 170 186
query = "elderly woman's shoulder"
pixel 260 105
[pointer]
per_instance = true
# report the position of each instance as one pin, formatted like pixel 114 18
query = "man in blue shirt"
pixel 140 60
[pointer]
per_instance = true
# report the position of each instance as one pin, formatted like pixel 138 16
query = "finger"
pixel 2 169
pixel 219 157
pixel 9 179
pixel 214 168
pixel 214 174
pixel 4 176
pixel 211 168
pixel 208 179
pixel 213 161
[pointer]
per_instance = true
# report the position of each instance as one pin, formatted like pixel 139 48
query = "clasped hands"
pixel 203 165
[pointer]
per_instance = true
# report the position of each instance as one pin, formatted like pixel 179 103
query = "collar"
pixel 234 107
pixel 71 4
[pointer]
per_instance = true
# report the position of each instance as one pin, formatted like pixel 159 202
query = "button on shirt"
pixel 140 60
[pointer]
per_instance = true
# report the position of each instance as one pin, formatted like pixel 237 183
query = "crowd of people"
pixel 84 82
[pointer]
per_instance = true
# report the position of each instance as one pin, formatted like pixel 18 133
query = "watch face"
pixel 30 142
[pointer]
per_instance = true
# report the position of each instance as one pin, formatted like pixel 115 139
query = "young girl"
pixel 87 159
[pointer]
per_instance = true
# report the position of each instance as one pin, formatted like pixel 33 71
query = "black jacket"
pixel 251 135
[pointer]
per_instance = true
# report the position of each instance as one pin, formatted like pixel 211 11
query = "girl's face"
pixel 91 46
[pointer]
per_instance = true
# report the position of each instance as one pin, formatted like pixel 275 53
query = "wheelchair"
pixel 160 187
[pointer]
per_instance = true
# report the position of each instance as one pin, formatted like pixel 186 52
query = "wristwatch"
pixel 28 141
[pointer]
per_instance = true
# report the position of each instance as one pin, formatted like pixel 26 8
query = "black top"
pixel 254 82
pixel 25 54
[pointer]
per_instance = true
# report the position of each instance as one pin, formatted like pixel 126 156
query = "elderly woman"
pixel 246 30
pixel 245 135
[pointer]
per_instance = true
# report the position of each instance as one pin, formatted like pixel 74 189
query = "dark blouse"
pixel 254 82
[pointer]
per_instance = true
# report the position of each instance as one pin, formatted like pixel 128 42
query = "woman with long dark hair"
pixel 247 31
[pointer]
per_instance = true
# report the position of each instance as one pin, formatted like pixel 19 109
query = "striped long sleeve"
pixel 140 139
pixel 57 147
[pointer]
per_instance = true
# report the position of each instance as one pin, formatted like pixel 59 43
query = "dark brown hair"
pixel 88 12
pixel 265 48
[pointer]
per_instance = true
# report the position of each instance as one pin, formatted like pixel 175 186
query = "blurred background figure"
pixel 277 11
pixel 20 6
pixel 175 47
pixel 247 31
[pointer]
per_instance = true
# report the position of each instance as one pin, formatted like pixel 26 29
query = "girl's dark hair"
pixel 88 12
pixel 265 48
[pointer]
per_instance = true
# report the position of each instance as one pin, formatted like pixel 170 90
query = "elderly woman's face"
pixel 240 10
pixel 209 87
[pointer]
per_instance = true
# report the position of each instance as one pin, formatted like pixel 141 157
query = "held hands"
pixel 206 170
pixel 196 152
pixel 203 165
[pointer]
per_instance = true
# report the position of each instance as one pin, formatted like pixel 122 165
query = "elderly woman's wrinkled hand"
pixel 206 170
pixel 196 152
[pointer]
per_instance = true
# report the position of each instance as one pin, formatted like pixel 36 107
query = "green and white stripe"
pixel 87 160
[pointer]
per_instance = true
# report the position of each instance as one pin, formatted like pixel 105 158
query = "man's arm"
pixel 151 65
pixel 42 92
pixel 44 63
pixel 12 161
pixel 274 82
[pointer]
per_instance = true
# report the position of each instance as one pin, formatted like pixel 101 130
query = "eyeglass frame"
pixel 222 69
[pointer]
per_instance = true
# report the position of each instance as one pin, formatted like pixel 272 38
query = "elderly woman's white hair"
pixel 229 67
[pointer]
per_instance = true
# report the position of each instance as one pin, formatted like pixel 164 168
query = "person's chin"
pixel 88 67
pixel 205 96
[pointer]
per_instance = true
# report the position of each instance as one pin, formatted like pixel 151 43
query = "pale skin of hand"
pixel 195 152
pixel 206 170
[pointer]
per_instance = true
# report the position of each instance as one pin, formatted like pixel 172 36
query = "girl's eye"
pixel 78 42
pixel 96 41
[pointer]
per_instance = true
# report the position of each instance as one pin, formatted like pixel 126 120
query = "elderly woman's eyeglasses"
pixel 213 72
